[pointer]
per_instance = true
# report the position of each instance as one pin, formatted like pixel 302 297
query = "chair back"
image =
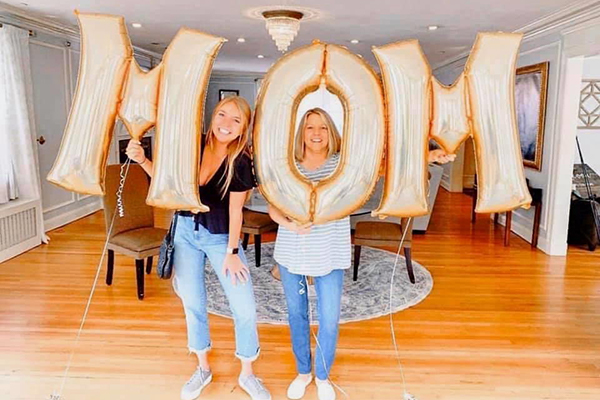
pixel 137 214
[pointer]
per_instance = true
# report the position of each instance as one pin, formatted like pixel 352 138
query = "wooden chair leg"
pixel 496 218
pixel 409 266
pixel 257 250
pixel 356 262
pixel 536 225
pixel 110 267
pixel 139 272
pixel 149 265
pixel 245 241
pixel 507 225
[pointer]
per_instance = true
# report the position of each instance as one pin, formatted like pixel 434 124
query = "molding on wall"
pixel 68 217
pixel 565 18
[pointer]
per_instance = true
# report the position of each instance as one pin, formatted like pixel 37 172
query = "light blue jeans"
pixel 191 249
pixel 329 296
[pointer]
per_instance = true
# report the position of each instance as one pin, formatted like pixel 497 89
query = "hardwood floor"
pixel 500 323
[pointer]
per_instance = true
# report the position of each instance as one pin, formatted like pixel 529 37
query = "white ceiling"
pixel 373 22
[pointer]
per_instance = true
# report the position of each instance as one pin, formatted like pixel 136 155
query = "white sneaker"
pixel 298 386
pixel 194 386
pixel 325 390
pixel 254 387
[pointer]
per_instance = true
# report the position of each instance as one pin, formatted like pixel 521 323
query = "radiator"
pixel 19 227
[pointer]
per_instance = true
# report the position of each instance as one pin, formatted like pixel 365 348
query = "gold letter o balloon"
pixel 358 87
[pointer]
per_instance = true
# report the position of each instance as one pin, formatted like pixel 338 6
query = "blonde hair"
pixel 239 145
pixel 334 142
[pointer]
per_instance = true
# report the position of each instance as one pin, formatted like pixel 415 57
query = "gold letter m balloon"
pixel 479 104
pixel 171 96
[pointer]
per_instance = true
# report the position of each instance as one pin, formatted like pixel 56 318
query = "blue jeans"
pixel 329 296
pixel 191 249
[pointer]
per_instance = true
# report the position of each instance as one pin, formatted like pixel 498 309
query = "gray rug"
pixel 367 298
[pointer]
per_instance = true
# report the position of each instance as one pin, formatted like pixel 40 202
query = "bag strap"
pixel 173 227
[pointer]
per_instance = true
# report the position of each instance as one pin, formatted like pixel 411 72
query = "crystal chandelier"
pixel 283 26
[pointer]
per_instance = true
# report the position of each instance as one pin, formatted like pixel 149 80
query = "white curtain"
pixel 19 174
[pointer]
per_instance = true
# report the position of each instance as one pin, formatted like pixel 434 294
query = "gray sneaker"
pixel 194 386
pixel 254 387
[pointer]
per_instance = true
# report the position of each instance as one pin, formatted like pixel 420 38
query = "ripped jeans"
pixel 191 249
pixel 329 296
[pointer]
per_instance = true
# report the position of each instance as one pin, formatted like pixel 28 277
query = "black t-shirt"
pixel 217 219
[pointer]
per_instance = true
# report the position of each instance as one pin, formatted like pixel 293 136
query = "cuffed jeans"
pixel 192 246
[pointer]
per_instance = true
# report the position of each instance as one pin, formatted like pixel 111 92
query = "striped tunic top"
pixel 325 248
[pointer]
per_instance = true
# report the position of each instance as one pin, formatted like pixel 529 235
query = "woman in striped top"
pixel 321 251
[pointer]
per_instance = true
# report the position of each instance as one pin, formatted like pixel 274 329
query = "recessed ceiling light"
pixel 136 25
pixel 354 41
pixel 260 56
pixel 241 40
pixel 432 27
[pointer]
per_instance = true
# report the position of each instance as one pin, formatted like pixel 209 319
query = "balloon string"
pixel 407 395
pixel 122 174
pixel 57 395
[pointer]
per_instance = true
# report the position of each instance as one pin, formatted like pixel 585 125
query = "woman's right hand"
pixel 303 229
pixel 135 151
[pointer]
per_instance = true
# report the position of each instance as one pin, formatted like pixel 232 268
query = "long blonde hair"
pixel 334 142
pixel 238 146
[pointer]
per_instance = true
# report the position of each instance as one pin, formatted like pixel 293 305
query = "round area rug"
pixel 367 298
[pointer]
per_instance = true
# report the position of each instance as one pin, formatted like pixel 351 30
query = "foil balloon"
pixel 288 81
pixel 479 104
pixel 187 65
pixel 407 82
pixel 105 57
pixel 490 73
pixel 170 97
pixel 139 102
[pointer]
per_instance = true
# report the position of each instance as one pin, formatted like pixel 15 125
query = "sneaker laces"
pixel 199 373
pixel 256 383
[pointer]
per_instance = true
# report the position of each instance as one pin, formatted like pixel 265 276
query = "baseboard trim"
pixel 445 182
pixel 523 227
pixel 70 216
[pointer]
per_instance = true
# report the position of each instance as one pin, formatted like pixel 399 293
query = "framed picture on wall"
pixel 531 89
pixel 223 93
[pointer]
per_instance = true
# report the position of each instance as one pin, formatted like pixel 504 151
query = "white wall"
pixel 589 139
pixel 554 43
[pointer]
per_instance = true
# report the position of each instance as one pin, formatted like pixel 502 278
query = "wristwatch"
pixel 232 250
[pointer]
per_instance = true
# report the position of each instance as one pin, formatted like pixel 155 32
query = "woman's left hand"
pixel 440 156
pixel 236 268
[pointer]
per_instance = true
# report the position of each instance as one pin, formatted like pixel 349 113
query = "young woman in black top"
pixel 225 179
